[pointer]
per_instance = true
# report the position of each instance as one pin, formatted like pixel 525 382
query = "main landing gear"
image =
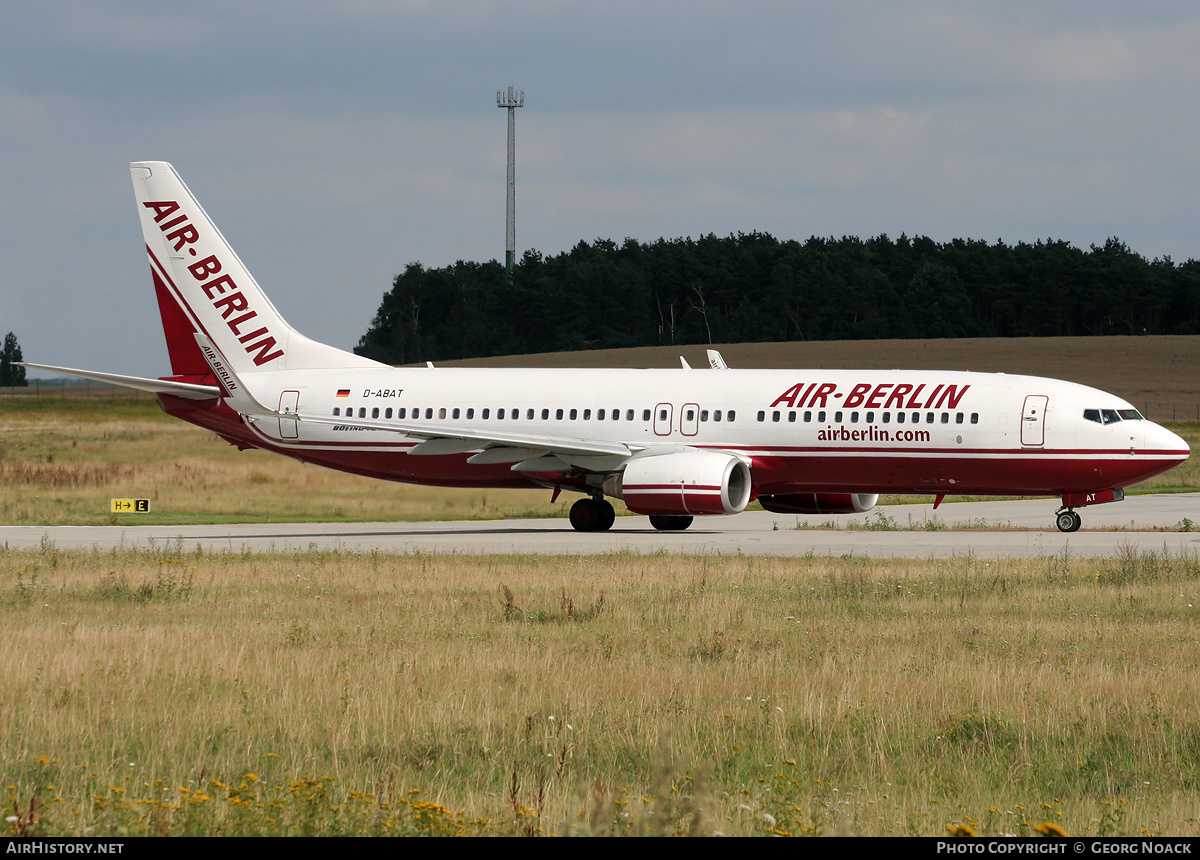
pixel 597 515
pixel 1067 521
pixel 669 523
pixel 592 515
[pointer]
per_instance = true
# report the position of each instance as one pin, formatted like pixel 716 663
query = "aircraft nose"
pixel 1160 439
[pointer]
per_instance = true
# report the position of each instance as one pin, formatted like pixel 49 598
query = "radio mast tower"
pixel 511 102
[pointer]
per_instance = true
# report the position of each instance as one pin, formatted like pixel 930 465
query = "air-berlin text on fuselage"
pixel 223 292
pixel 886 395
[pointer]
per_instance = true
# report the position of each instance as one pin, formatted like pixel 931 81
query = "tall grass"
pixel 61 463
pixel 186 692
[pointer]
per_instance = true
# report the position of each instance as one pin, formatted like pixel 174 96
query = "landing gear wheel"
pixel 670 523
pixel 1068 521
pixel 587 516
pixel 608 516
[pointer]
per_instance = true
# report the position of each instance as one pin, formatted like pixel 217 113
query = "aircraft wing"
pixel 448 439
pixel 186 390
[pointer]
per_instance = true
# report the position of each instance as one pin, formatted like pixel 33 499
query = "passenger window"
pixel 574 414
pixel 821 417
pixel 336 411
pixel 545 414
pixel 837 418
pixel 808 416
pixel 455 413
pixel 974 417
pixel 558 415
pixel 899 418
pixel 703 415
pixel 470 413
pixel 958 418
pixel 646 414
pixel 587 414
pixel 775 416
pixel 928 417
pixel 853 417
pixel 730 415
pixel 442 413
pixel 629 414
pixel 662 415
pixel 428 413
pixel 887 418
pixel 387 413
pixel 870 417
pixel 402 412
pixel 691 415
pixel 486 414
pixel 362 412
pixel 599 414
pixel 762 416
pixel 945 417
pixel 716 415
pixel 791 416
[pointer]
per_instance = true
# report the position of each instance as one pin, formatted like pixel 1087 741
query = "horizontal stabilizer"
pixel 186 390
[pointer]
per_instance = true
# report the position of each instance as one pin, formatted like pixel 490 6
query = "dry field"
pixel 326 693
pixel 62 460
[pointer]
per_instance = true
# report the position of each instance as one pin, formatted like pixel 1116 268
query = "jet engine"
pixel 819 503
pixel 685 483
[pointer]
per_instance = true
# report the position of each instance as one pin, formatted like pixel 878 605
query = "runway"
pixel 985 529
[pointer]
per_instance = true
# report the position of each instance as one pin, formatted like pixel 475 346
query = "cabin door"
pixel 1033 421
pixel 288 403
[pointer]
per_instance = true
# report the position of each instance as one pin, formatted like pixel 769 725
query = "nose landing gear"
pixel 1067 521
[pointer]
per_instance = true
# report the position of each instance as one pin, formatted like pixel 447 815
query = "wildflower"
pixel 961 830
pixel 1049 828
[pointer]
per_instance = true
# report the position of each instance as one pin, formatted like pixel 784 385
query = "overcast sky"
pixel 335 143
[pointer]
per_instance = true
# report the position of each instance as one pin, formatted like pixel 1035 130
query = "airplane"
pixel 671 443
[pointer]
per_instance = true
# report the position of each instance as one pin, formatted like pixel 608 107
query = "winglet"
pixel 683 361
pixel 716 361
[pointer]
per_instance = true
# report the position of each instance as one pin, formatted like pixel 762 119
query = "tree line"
pixel 752 287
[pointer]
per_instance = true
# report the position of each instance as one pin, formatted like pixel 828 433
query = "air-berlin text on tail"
pixel 222 292
pixel 886 395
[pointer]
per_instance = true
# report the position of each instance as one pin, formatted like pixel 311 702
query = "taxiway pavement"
pixel 985 529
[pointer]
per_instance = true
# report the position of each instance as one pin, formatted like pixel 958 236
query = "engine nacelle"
pixel 687 483
pixel 819 503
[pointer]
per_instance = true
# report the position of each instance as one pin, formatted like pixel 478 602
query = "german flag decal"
pixel 343 392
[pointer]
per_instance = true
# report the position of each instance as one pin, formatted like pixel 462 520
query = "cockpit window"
pixel 1112 416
